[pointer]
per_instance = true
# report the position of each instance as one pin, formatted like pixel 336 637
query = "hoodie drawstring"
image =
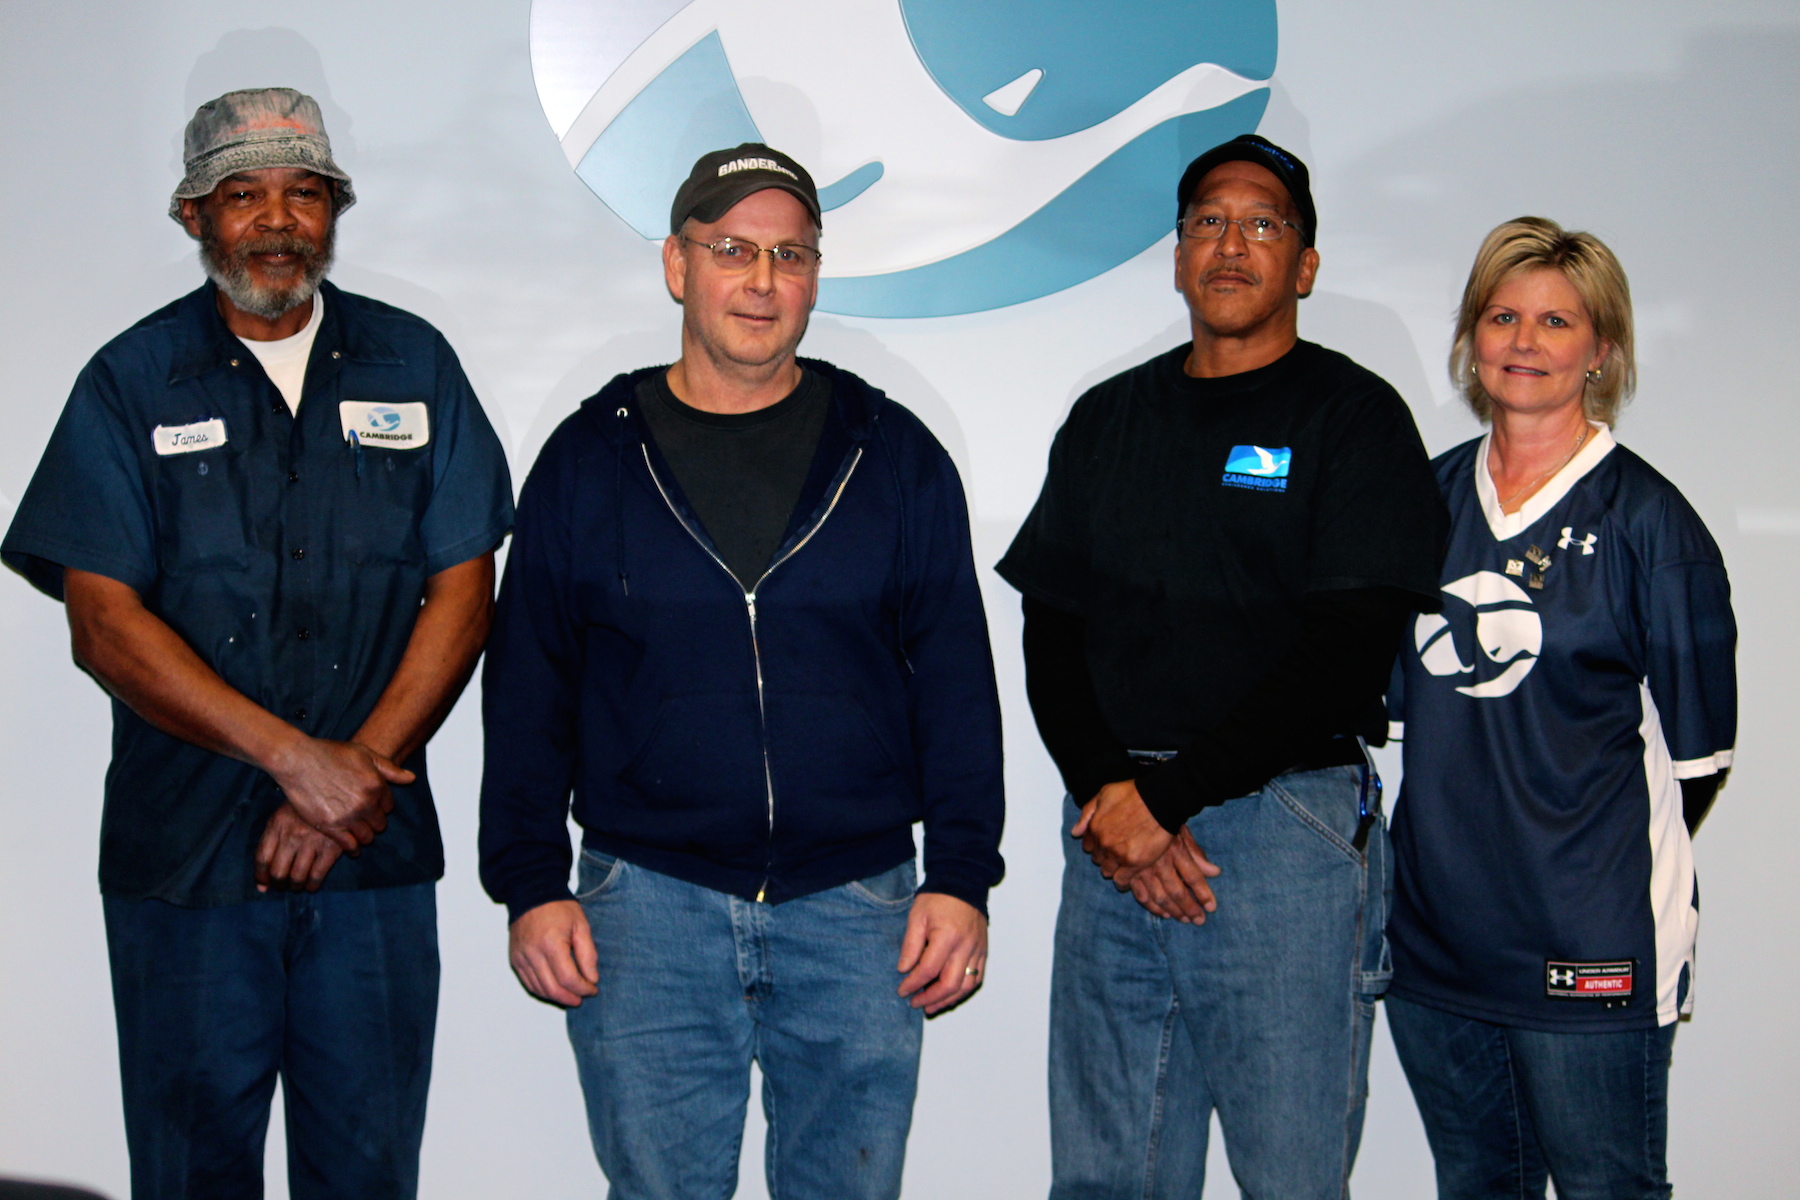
pixel 619 499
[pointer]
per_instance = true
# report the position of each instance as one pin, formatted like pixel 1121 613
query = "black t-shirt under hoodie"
pixel 741 472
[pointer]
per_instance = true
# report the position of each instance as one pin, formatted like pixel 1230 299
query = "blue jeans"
pixel 1504 1108
pixel 1263 1013
pixel 335 992
pixel 695 985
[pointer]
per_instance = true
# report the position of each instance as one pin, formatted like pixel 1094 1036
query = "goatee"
pixel 230 269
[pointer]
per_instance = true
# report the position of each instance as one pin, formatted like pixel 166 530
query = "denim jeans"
pixel 1504 1108
pixel 1263 1013
pixel 695 985
pixel 335 992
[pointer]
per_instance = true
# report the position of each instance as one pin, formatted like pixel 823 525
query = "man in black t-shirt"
pixel 1215 578
pixel 741 628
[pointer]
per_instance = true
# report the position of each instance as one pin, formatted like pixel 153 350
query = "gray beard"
pixel 229 270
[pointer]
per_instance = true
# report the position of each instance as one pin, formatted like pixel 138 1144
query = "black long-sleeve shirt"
pixel 1328 683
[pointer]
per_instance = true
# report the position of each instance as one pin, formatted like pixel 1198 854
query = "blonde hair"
pixel 1531 243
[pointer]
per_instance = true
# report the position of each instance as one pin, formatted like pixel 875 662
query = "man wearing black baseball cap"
pixel 1215 577
pixel 741 622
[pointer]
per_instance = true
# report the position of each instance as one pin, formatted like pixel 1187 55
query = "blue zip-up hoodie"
pixel 769 743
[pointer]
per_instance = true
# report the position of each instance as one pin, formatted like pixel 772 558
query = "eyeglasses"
pixel 1207 227
pixel 736 254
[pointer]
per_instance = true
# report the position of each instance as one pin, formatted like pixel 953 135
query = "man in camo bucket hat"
pixel 250 130
pixel 270 509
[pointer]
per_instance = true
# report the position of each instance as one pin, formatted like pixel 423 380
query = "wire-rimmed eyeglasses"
pixel 1208 227
pixel 737 254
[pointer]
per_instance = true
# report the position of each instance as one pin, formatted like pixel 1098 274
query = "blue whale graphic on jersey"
pixel 1096 61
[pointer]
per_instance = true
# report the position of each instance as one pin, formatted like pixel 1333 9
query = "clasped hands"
pixel 337 797
pixel 1166 872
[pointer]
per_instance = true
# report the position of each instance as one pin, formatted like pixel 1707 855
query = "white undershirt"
pixel 284 360
pixel 1509 525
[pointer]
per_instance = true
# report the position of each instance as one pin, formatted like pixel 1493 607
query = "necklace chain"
pixel 1580 441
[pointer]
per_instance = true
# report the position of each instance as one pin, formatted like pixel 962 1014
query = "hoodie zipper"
pixel 762 713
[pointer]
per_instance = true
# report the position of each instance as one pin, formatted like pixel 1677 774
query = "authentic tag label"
pixel 1589 980
pixel 397 426
pixel 185 439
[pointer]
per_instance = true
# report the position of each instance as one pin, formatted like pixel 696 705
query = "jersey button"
pixel 293 477
pixel 299 714
pixel 299 554
pixel 303 634
pixel 278 409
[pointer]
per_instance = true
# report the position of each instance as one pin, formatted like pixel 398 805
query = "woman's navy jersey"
pixel 1582 665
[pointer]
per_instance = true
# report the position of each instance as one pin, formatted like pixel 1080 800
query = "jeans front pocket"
pixel 889 891
pixel 596 874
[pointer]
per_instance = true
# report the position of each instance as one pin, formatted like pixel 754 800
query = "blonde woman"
pixel 1567 719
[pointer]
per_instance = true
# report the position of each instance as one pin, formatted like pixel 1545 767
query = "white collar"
pixel 1510 525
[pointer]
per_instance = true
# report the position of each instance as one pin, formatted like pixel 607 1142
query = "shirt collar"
pixel 1510 525
pixel 203 343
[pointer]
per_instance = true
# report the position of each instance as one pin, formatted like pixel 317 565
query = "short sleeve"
pixel 1692 664
pixel 471 507
pixel 1050 558
pixel 1378 519
pixel 87 506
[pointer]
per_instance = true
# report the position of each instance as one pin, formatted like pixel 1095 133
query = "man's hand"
pixel 552 952
pixel 339 788
pixel 293 856
pixel 1175 885
pixel 1119 834
pixel 945 951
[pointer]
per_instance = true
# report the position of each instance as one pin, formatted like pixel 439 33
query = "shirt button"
pixel 299 554
pixel 299 714
pixel 234 362
pixel 303 634
pixel 293 477
pixel 335 354
pixel 278 409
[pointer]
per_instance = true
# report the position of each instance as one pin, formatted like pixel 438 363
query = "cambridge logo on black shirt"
pixel 1259 468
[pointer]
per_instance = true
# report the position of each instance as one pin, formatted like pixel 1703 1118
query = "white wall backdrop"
pixel 1670 129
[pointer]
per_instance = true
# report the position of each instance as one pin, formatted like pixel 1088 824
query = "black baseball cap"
pixel 1259 150
pixel 722 178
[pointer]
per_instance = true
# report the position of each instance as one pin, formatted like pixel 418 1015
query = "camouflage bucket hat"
pixel 251 130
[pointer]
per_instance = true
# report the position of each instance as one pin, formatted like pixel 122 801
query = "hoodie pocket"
pixel 702 752
pixel 834 769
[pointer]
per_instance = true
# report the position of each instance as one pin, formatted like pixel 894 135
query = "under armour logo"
pixel 1568 539
pixel 1561 978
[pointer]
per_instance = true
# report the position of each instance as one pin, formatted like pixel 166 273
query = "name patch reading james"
pixel 185 439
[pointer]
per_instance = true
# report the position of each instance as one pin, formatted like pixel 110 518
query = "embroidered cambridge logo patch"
pixel 1258 468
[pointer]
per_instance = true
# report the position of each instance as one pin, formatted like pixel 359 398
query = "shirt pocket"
pixel 387 491
pixel 203 510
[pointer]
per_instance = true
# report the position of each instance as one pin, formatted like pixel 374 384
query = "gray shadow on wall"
pixel 1653 164
pixel 272 57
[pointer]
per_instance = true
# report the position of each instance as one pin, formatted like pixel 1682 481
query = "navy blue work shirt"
pixel 291 557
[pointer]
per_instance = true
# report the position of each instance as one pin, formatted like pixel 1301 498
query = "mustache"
pixel 303 249
pixel 1213 273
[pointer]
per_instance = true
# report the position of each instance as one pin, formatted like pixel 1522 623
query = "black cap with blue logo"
pixel 722 178
pixel 1251 148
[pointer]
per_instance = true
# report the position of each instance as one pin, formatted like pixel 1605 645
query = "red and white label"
pixel 1580 980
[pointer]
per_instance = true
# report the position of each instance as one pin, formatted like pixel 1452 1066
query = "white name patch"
pixel 185 439
pixel 396 426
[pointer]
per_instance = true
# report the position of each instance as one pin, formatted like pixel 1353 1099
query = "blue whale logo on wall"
pixel 970 155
